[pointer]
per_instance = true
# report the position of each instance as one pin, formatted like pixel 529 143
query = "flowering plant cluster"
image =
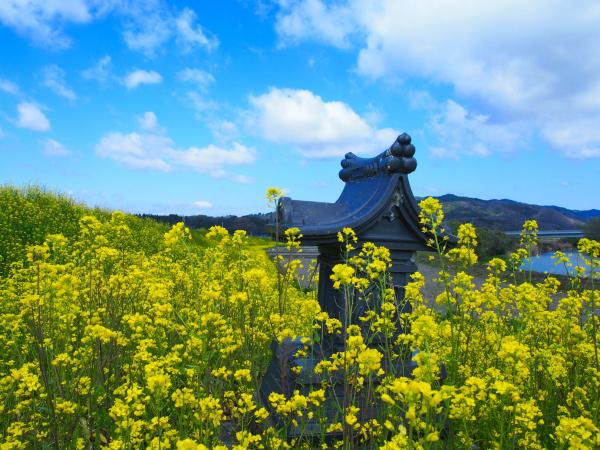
pixel 107 342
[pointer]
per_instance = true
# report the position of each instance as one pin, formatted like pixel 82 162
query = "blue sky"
pixel 198 107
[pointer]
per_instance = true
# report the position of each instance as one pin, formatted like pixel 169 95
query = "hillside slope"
pixel 509 215
pixel 29 214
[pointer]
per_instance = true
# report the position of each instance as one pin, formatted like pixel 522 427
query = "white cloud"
pixel 151 24
pixel 460 132
pixel 135 150
pixel 316 128
pixel 199 77
pixel 529 61
pixel 579 138
pixel 146 31
pixel 190 35
pixel 31 117
pixel 147 25
pixel 137 77
pixel 54 79
pixel 223 130
pixel 100 71
pixel 152 149
pixel 202 204
pixel 148 121
pixel 244 179
pixel 42 20
pixel 313 20
pixel 212 159
pixel 9 87
pixel 200 103
pixel 51 147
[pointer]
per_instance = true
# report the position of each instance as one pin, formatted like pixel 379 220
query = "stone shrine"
pixel 378 204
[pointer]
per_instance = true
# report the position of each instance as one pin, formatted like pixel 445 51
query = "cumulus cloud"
pixel 314 20
pixel 9 87
pixel 531 61
pixel 54 79
pixel 201 78
pixel 202 204
pixel 138 77
pixel 42 20
pixel 461 132
pixel 150 148
pixel 315 127
pixel 146 30
pixel 578 139
pixel 52 148
pixel 147 25
pixel 101 71
pixel 190 35
pixel 199 103
pixel 148 121
pixel 223 130
pixel 31 117
pixel 213 159
pixel 137 150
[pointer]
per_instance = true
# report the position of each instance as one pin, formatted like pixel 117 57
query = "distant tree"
pixel 491 243
pixel 254 224
pixel 494 243
pixel 591 229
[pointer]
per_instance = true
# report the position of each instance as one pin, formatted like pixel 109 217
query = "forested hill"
pixel 505 215
pixel 254 224
pixel 509 215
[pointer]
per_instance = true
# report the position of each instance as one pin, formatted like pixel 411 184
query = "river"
pixel 545 263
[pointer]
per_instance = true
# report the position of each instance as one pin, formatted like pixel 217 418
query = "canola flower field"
pixel 118 333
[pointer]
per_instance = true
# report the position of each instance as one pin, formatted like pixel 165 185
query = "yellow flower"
pixel 431 214
pixel 261 414
pixel 158 382
pixel 577 433
pixel 369 361
pixel 347 235
pixel 273 195
pixel 350 417
pixel 242 375
pixel 38 253
pixel 65 406
pixel 189 444
pixel 176 234
pixel 342 274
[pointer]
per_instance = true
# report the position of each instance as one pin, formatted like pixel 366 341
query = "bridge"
pixel 552 234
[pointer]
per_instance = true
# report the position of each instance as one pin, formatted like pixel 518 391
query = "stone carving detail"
pixel 396 159
pixel 397 200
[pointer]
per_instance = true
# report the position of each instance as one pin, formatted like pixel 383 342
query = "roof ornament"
pixel 396 159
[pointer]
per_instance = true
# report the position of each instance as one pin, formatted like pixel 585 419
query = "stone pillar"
pixel 333 301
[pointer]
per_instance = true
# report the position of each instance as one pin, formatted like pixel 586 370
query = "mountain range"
pixel 504 215
pixel 509 215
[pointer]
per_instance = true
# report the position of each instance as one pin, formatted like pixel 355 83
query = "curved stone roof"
pixel 376 188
